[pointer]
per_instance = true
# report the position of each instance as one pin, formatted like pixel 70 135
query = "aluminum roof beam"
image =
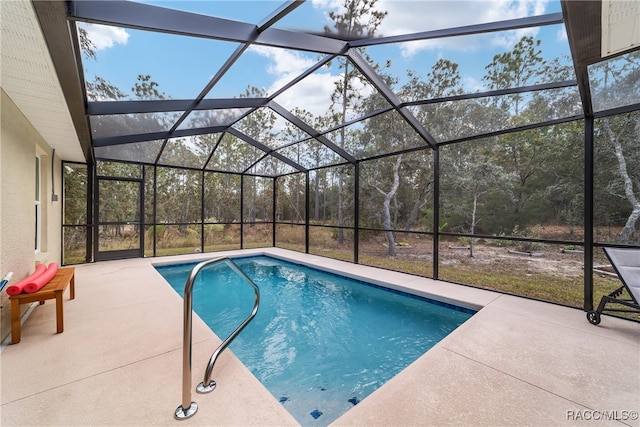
pixel 625 109
pixel 511 24
pixel 498 92
pixel 159 19
pixel 196 102
pixel 279 13
pixel 312 132
pixel 276 16
pixel 516 129
pixel 390 96
pixel 154 136
pixel 136 107
pixel 267 150
pixel 168 105
pixel 272 19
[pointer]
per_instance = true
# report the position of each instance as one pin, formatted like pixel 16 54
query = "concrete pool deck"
pixel 119 361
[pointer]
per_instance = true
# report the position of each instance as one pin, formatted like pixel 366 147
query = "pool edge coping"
pixel 472 298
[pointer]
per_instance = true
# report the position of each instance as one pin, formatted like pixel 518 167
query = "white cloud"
pixel 285 64
pixel 327 4
pixel 104 37
pixel 404 16
pixel 509 39
pixel 314 91
pixel 419 16
pixel 471 85
pixel 562 34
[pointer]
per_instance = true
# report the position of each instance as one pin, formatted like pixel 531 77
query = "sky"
pixel 183 66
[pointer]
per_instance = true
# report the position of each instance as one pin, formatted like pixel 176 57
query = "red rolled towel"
pixel 34 285
pixel 18 287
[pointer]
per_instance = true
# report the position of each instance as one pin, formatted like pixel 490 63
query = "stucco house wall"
pixel 19 144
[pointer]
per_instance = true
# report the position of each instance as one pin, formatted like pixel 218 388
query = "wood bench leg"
pixel 59 313
pixel 15 321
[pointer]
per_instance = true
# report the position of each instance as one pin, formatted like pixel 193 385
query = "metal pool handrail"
pixel 189 408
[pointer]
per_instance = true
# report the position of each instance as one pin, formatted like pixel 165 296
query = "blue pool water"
pixel 320 342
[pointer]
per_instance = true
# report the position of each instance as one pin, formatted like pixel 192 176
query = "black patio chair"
pixel 626 262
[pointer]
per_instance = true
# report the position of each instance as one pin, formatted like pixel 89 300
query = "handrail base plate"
pixel 183 414
pixel 203 389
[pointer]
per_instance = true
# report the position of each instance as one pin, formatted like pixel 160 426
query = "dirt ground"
pixel 549 259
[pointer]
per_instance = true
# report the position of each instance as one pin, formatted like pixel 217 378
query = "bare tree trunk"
pixel 340 210
pixel 252 205
pixel 294 207
pixel 387 207
pixel 625 235
pixel 345 86
pixel 396 210
pixel 420 202
pixel 476 196
pixel 185 215
pixel 316 208
pixel 298 216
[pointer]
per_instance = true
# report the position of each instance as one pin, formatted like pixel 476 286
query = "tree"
pixel 178 196
pixel 99 89
pixel 319 176
pixel 381 134
pixel 300 154
pixel 257 125
pixel 521 66
pixel 627 184
pixel 357 18
pixel 388 196
pixel 75 180
pixel 618 84
pixel 445 121
pixel 419 184
pixel 525 154
pixel 471 174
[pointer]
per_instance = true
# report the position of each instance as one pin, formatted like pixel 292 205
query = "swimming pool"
pixel 320 342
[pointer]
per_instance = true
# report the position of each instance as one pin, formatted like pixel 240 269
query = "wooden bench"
pixel 54 289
